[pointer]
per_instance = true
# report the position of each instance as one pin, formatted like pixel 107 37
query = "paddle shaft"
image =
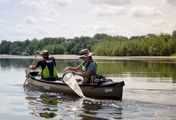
pixel 33 62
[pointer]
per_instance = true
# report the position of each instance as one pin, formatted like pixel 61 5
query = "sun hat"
pixel 45 52
pixel 85 53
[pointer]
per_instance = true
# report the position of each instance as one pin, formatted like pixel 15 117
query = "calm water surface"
pixel 149 93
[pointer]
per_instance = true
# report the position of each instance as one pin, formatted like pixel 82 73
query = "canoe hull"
pixel 108 90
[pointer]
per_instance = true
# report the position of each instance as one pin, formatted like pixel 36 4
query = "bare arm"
pixel 73 69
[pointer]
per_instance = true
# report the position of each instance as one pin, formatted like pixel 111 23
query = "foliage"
pixel 149 45
pixel 55 49
pixel 100 44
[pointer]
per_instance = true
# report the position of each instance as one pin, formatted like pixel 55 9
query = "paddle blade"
pixel 70 80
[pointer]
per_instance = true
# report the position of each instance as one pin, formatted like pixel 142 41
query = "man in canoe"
pixel 47 64
pixel 87 69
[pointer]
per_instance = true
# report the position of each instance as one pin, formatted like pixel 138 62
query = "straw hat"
pixel 85 53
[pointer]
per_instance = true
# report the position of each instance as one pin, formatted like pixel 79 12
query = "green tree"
pixel 4 47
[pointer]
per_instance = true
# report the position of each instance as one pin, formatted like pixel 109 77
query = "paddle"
pixel 28 69
pixel 70 80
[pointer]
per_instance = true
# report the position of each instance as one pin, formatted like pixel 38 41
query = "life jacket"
pixel 49 71
pixel 84 67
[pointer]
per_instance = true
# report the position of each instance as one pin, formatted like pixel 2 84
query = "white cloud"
pixel 45 4
pixel 163 25
pixel 155 27
pixel 112 2
pixel 142 11
pixel 136 11
pixel 158 23
pixel 4 1
pixel 47 20
pixel 52 9
pixel 172 2
pixel 71 18
pixel 41 30
pixel 23 31
pixel 1 21
pixel 107 10
pixel 30 20
pixel 99 27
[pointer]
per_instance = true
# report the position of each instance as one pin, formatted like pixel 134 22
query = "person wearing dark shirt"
pixel 48 65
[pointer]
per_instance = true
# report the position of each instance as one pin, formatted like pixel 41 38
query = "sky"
pixel 30 19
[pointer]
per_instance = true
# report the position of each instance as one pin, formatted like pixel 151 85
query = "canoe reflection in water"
pixel 57 106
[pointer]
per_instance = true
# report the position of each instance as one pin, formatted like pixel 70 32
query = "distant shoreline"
pixel 95 57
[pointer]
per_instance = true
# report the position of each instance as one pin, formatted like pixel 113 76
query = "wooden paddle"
pixel 70 80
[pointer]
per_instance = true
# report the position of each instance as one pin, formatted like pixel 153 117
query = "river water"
pixel 149 93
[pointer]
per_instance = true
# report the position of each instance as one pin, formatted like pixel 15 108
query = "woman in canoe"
pixel 87 69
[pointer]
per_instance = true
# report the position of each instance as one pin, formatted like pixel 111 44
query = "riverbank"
pixel 118 57
pixel 96 57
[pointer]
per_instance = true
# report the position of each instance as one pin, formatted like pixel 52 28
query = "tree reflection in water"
pixel 51 100
pixel 44 105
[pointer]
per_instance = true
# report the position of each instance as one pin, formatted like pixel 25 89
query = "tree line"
pixel 100 44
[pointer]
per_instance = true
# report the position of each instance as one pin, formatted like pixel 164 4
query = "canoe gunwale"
pixel 118 84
